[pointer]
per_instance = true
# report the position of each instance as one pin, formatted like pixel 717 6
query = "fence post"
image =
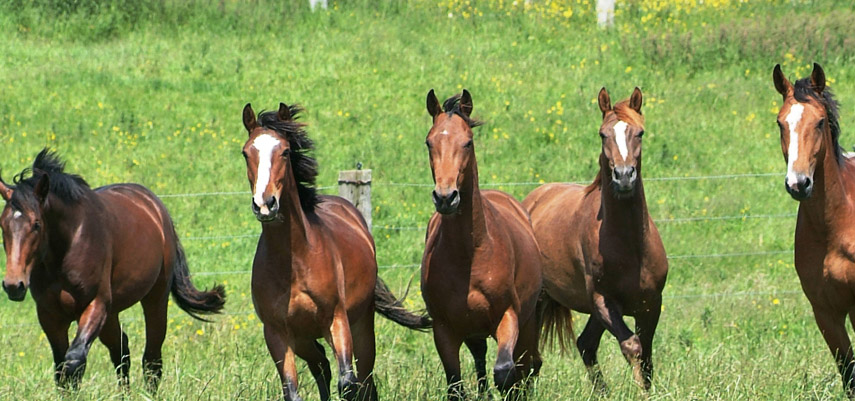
pixel 605 13
pixel 355 186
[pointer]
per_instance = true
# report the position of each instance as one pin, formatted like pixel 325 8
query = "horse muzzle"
pixel 800 187
pixel 446 203
pixel 623 180
pixel 268 211
pixel 15 291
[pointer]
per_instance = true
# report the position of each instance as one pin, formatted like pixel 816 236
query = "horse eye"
pixel 820 124
pixel 286 152
pixel 468 144
pixel 243 152
pixel 427 143
pixel 602 135
pixel 37 226
pixel 641 134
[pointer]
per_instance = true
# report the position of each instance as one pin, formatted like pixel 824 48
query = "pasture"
pixel 152 93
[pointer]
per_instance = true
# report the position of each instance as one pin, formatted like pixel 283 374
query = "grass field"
pixel 152 92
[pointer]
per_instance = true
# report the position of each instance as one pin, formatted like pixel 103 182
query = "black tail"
pixel 185 294
pixel 392 308
pixel 557 324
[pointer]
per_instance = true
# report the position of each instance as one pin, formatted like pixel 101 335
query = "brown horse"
pixel 481 267
pixel 315 271
pixel 602 252
pixel 88 255
pixel 822 179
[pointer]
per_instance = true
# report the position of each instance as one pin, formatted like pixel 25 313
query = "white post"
pixel 355 186
pixel 313 3
pixel 605 13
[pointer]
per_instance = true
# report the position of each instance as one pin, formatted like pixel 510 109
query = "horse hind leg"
pixel 588 344
pixel 154 307
pixel 315 356
pixel 478 349
pixel 116 342
pixel 364 351
pixel 645 328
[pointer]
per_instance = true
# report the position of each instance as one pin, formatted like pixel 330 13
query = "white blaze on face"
pixel 793 119
pixel 265 145
pixel 444 132
pixel 17 214
pixel 620 138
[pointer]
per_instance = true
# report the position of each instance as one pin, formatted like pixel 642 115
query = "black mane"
pixel 304 166
pixel 69 188
pixel 804 92
pixel 452 106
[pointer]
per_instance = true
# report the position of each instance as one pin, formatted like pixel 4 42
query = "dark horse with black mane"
pixel 315 271
pixel 86 255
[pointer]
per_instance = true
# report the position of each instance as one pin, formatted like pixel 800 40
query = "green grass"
pixel 153 94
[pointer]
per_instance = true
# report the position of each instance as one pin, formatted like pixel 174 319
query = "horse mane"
pixel 452 106
pixel 628 115
pixel 303 165
pixel 69 188
pixel 804 92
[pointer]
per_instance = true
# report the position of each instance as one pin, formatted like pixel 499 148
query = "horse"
pixel 822 179
pixel 481 269
pixel 602 253
pixel 86 255
pixel 315 271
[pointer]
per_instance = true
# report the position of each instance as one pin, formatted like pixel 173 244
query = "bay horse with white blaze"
pixel 315 272
pixel 822 179
pixel 602 253
pixel 86 255
pixel 481 267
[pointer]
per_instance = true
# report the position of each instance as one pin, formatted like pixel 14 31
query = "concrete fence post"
pixel 355 186
pixel 605 13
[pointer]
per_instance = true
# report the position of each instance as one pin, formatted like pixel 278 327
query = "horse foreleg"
pixel 478 348
pixel 88 328
pixel 832 325
pixel 342 342
pixel 282 351
pixel 507 333
pixel 116 342
pixel 645 328
pixel 56 331
pixel 610 316
pixel 448 346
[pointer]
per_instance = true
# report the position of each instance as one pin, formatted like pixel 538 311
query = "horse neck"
pixel 61 221
pixel 288 234
pixel 829 198
pixel 467 228
pixel 627 218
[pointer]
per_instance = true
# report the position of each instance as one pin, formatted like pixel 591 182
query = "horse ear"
pixel 249 120
pixel 466 103
pixel 781 83
pixel 433 106
pixel 284 112
pixel 817 78
pixel 5 191
pixel 635 100
pixel 605 101
pixel 42 187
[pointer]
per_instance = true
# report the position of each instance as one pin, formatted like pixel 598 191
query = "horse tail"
pixel 557 323
pixel 185 294
pixel 393 309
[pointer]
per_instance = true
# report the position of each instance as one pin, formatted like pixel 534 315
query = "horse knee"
pixel 505 376
pixel 631 348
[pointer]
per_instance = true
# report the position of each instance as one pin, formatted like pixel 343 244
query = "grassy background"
pixel 151 92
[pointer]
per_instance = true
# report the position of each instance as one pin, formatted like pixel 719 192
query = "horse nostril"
pixel 807 183
pixel 20 286
pixel 255 208
pixel 270 202
pixel 452 196
pixel 436 199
